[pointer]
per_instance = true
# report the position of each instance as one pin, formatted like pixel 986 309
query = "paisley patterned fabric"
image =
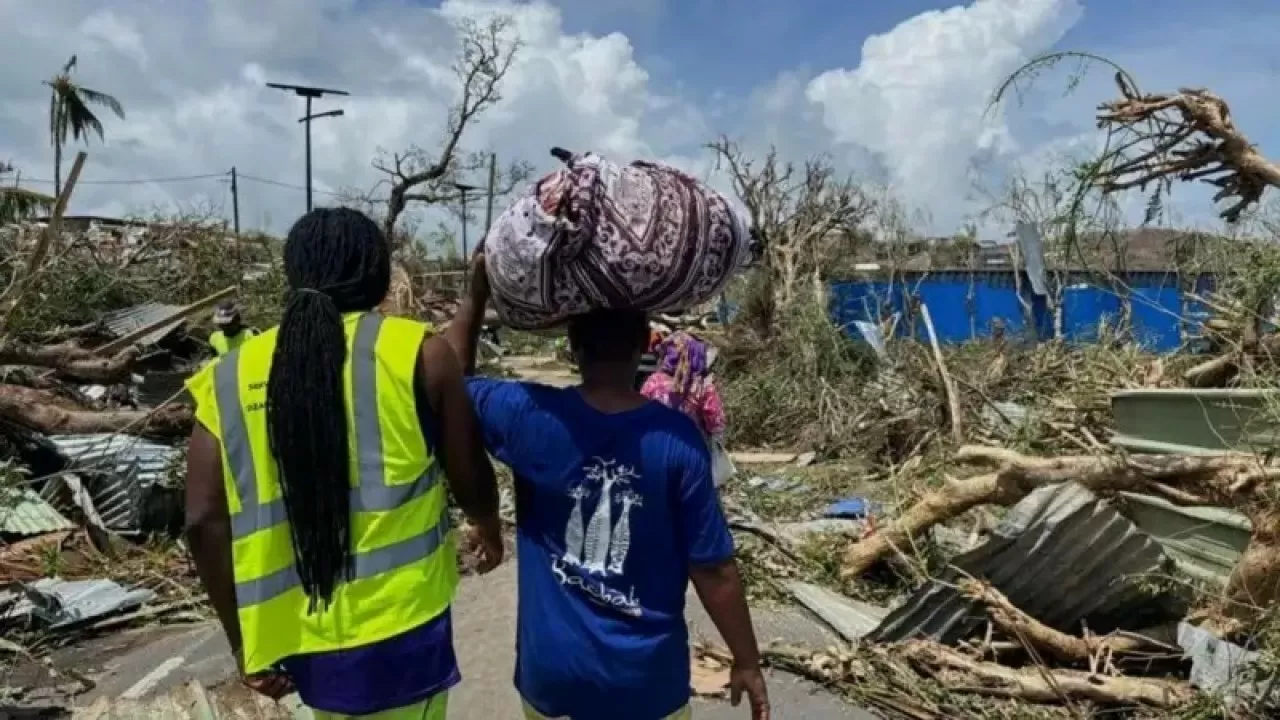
pixel 599 235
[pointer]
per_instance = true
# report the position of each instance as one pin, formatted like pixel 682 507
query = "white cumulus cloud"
pixel 919 98
pixel 191 77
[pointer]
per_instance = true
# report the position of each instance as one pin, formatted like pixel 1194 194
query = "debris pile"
pixel 1053 539
pixel 95 343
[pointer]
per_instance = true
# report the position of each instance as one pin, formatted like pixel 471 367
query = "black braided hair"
pixel 336 261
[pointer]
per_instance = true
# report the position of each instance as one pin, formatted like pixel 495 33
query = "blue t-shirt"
pixel 611 511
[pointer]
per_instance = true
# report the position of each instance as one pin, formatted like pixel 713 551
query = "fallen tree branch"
pixel 1012 621
pixel 1227 480
pixel 63 334
pixel 1213 373
pixel 1187 135
pixel 963 674
pixel 47 413
pixel 70 361
pixel 1230 480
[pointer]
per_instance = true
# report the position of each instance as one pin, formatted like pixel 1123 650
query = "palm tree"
pixel 69 114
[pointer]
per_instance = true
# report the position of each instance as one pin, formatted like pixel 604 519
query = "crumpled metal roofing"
pixel 193 701
pixel 65 602
pixel 123 322
pixel 124 468
pixel 24 512
pixel 1062 555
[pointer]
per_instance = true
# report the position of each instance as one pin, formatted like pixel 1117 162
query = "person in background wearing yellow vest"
pixel 317 506
pixel 231 332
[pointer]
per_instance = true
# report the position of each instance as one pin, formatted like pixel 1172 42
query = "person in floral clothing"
pixel 684 382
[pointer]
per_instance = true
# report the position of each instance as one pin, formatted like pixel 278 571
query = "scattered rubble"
pixel 986 532
pixel 92 420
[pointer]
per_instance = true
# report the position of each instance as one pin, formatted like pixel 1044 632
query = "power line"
pixel 137 181
pixel 277 183
pixel 22 179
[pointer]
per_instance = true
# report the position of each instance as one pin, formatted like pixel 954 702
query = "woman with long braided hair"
pixel 315 510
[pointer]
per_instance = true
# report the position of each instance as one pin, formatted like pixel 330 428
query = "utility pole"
pixel 235 201
pixel 464 189
pixel 493 182
pixel 309 94
pixel 466 255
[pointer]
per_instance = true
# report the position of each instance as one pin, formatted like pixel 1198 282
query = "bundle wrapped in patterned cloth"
pixel 598 235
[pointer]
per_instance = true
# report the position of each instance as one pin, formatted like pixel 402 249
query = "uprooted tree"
pixel 801 216
pixel 430 176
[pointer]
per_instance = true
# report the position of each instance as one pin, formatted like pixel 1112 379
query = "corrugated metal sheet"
pixel 1190 421
pixel 852 619
pixel 24 512
pixel 66 602
pixel 1206 542
pixel 123 322
pixel 130 455
pixel 123 468
pixel 194 701
pixel 1061 555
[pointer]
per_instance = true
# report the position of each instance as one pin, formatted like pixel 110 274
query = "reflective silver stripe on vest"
pixel 367 565
pixel 253 515
pixel 371 494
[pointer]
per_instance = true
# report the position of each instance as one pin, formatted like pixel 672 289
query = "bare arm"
pixel 720 589
pixel 466 465
pixel 208 528
pixel 463 332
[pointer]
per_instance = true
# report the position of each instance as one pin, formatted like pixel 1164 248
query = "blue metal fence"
pixel 968 305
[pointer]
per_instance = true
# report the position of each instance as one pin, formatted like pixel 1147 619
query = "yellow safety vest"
pixel 405 562
pixel 223 345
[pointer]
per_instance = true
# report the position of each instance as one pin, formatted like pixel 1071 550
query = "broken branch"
pixel 1189 135
pixel 47 413
pixel 1011 620
pixel 948 385
pixel 71 361
pixel 1039 685
pixel 1228 480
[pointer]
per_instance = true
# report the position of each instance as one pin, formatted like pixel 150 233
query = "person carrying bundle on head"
pixel 616 510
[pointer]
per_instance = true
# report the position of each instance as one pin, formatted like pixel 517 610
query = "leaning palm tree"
pixel 69 115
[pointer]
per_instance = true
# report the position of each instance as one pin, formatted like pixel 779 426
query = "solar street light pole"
pixel 309 94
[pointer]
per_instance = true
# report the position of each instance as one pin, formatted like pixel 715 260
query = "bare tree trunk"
pixel 47 413
pixel 70 361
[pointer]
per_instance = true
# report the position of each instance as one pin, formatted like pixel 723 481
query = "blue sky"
pixel 893 92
